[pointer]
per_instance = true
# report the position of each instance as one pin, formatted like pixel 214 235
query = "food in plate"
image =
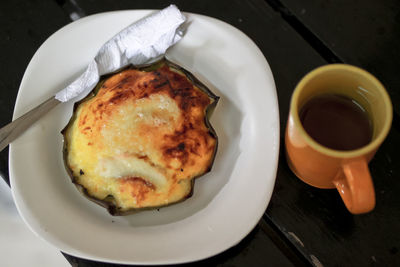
pixel 139 139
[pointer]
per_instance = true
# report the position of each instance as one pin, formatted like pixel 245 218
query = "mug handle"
pixel 356 188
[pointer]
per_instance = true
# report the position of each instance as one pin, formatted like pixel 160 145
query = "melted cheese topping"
pixel 141 139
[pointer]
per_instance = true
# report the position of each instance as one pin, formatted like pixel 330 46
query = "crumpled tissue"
pixel 139 43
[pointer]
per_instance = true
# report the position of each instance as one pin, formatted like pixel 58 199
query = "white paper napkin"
pixel 137 44
pixel 18 245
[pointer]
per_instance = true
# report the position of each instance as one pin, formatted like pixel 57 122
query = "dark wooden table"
pixel 302 225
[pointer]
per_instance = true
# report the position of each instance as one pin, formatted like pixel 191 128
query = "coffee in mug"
pixel 336 121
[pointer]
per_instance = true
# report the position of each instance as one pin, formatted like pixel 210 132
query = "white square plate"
pixel 227 202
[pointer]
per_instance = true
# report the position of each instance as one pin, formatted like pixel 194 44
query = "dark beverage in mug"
pixel 336 122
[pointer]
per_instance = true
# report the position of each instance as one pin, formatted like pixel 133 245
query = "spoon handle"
pixel 12 130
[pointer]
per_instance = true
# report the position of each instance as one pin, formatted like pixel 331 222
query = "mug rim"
pixel 374 144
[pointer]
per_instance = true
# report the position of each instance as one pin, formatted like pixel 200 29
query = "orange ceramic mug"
pixel 324 167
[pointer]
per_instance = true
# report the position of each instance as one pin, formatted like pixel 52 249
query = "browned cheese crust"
pixel 141 139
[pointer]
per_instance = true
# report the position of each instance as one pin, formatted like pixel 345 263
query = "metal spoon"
pixel 12 130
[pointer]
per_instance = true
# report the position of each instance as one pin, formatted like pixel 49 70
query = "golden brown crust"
pixel 154 121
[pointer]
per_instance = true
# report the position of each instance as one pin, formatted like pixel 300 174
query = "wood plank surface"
pixel 361 33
